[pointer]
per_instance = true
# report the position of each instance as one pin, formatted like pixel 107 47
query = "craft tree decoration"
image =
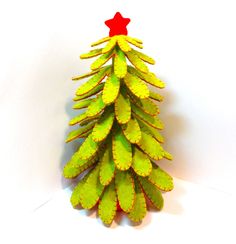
pixel 120 128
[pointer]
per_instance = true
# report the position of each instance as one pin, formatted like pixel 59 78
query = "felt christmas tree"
pixel 120 127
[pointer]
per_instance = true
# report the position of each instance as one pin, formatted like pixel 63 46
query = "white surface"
pixel 192 214
pixel 193 43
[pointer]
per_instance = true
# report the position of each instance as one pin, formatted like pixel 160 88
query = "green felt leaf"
pixel 153 80
pixel 105 39
pixel 155 96
pixel 92 92
pixel 107 206
pixel 151 147
pixel 147 106
pixel 107 170
pixel 110 45
pixel 122 108
pixel 153 194
pixel 92 189
pixel 137 62
pixel 103 125
pixel 151 131
pixel 96 106
pixel 79 77
pixel 168 156
pixel 111 89
pixel 79 118
pixel 86 134
pixel 122 151
pixel 82 104
pixel 134 41
pixel 139 209
pixel 92 82
pixel 136 86
pixel 141 163
pixel 161 179
pixel 124 46
pixel 144 57
pixel 120 66
pixel 77 133
pixel 125 190
pixel 101 60
pixel 150 120
pixel 88 148
pixel 89 120
pixel 75 196
pixel 91 54
pixel 74 168
pixel 132 131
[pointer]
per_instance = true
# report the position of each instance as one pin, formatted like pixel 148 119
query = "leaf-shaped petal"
pixel 91 54
pixel 122 108
pixel 111 89
pixel 137 62
pixel 155 96
pixel 141 163
pixel 82 104
pixel 95 107
pixel 110 45
pixel 153 80
pixel 105 39
pixel 125 190
pixel 79 118
pixel 92 92
pixel 122 151
pixel 150 120
pixel 92 189
pixel 75 196
pixel 134 41
pixel 107 206
pixel 103 126
pixel 107 170
pixel 79 77
pixel 144 57
pixel 139 209
pixel 101 60
pixel 77 133
pixel 151 147
pixel 136 86
pixel 132 131
pixel 161 179
pixel 120 66
pixel 153 194
pixel 124 46
pixel 92 82
pixel 88 148
pixel 151 131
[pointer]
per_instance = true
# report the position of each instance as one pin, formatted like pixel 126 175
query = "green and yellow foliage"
pixel 120 129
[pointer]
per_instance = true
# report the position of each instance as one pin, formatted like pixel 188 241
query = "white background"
pixel 193 43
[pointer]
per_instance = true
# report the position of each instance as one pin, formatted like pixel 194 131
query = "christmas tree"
pixel 120 127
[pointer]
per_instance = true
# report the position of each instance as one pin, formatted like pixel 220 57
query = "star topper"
pixel 117 25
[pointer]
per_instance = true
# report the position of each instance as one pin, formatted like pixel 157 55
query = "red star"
pixel 117 25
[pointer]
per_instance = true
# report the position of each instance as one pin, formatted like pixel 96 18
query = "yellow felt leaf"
pixel 153 80
pixel 151 147
pixel 82 104
pixel 136 86
pixel 79 77
pixel 137 62
pixel 101 60
pixel 120 66
pixel 96 106
pixel 91 54
pixel 168 156
pixel 111 89
pixel 105 39
pixel 107 206
pixel 134 41
pixel 92 82
pixel 110 45
pixel 141 163
pixel 147 106
pixel 125 190
pixel 122 108
pixel 78 119
pixel 155 96
pixel 121 150
pixel 144 57
pixel 124 46
pixel 132 131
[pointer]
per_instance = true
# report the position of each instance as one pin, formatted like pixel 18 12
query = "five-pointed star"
pixel 117 25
